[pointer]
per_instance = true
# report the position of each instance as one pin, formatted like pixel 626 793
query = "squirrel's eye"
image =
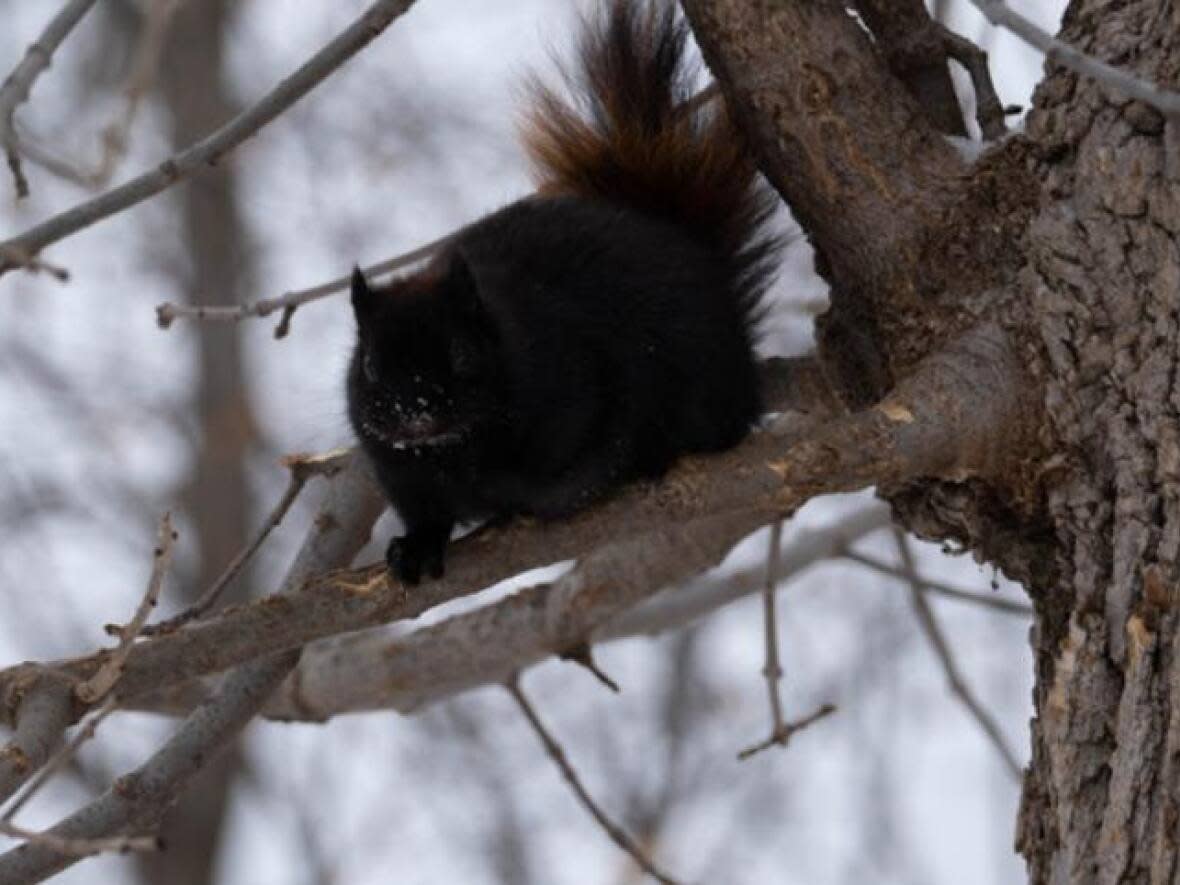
pixel 369 367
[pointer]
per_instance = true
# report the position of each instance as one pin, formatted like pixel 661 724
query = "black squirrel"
pixel 584 336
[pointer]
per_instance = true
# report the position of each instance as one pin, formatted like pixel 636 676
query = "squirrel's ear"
pixel 362 295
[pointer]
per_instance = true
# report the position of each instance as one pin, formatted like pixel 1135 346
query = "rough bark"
pixel 1066 237
pixel 1102 797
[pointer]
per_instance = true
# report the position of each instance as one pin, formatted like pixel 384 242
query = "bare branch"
pixel 781 731
pixel 941 647
pixel 674 608
pixel 99 685
pixel 998 13
pixel 41 704
pixel 1007 606
pixel 213 148
pixel 485 646
pixel 302 468
pixel 59 759
pixel 137 800
pixel 79 848
pixel 557 754
pixel 625 545
pixel 168 312
pixel 772 669
pixel 11 255
pixel 114 137
pixel 17 85
pixel 989 112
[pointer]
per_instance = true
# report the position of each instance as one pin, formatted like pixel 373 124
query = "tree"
pixel 998 359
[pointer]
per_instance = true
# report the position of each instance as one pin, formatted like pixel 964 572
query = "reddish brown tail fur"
pixel 632 135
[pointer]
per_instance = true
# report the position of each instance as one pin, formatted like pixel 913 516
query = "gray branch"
pixel 211 149
pixel 135 802
pixel 19 83
pixel 998 13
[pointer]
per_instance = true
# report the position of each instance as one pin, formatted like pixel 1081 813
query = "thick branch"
pixel 849 149
pixel 913 46
pixel 41 707
pixel 213 148
pixel 486 646
pixel 625 546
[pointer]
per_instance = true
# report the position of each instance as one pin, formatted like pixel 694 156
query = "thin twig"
pixel 99 685
pixel 783 736
pixel 582 654
pixel 11 255
pixel 998 13
pixel 17 85
pixel 168 312
pixel 942 650
pixel 288 302
pixel 302 468
pixel 215 146
pixel 59 759
pixel 989 112
pixel 773 670
pixel 1007 606
pixel 82 847
pixel 557 754
pixel 115 135
pixel 781 731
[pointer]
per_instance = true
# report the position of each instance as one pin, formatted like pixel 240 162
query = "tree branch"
pixel 781 731
pixel 302 468
pixel 137 799
pixel 374 670
pixel 949 419
pixel 59 759
pixel 168 312
pixel 942 650
pixel 912 44
pixel 557 754
pixel 40 704
pixel 1007 606
pixel 998 13
pixel 99 685
pixel 18 84
pixel 841 139
pixel 214 147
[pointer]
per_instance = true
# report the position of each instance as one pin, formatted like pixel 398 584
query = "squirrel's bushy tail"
pixel 632 134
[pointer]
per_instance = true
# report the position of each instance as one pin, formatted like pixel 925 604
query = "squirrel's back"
pixel 583 337
pixel 634 133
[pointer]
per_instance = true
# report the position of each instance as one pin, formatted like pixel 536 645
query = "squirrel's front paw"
pixel 410 556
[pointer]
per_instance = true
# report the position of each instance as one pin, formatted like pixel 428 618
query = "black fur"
pixel 557 348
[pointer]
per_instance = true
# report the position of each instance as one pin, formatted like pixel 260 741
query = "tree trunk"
pixel 1102 796
pixel 215 253
pixel 1066 237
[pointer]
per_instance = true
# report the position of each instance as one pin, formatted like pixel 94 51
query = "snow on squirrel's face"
pixel 423 363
